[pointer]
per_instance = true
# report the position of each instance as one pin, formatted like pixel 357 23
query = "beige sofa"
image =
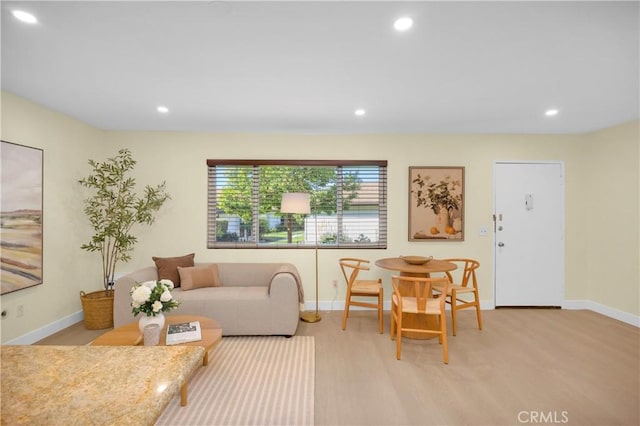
pixel 253 298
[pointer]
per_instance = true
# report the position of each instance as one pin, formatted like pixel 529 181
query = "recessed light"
pixel 163 109
pixel 403 24
pixel 360 112
pixel 24 16
pixel 551 112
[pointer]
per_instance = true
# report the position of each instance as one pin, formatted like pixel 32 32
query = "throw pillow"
pixel 199 276
pixel 168 267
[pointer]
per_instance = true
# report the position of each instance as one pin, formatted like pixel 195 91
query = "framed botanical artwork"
pixel 436 203
pixel 20 217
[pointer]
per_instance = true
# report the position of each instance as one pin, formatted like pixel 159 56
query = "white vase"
pixel 146 320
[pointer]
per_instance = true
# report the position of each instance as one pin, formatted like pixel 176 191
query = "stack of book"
pixel 183 332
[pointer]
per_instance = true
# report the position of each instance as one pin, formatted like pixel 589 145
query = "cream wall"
pixel 179 158
pixel 67 145
pixel 613 269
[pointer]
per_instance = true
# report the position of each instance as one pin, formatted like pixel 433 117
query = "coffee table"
pixel 129 335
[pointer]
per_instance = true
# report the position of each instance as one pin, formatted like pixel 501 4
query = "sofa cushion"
pixel 168 267
pixel 198 276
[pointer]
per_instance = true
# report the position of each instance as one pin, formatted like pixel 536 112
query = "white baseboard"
pixel 47 330
pixel 338 305
pixel 604 310
pixel 328 305
pixel 487 305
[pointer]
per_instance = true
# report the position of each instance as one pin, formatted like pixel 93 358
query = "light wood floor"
pixel 527 366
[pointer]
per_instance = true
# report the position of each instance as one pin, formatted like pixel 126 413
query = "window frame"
pixel 256 164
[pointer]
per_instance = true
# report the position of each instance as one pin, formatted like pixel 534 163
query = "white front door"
pixel 529 234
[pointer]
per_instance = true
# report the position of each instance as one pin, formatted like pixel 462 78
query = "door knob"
pixel 500 244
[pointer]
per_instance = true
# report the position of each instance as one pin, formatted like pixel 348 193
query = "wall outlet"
pixel 20 311
pixel 483 232
pixel 334 283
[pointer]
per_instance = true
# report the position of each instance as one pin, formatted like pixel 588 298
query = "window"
pixel 348 204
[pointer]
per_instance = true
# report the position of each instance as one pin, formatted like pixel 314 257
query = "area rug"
pixel 253 380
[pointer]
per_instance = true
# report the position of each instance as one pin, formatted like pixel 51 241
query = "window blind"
pixel 348 204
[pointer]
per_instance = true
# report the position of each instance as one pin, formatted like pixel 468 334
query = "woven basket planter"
pixel 98 309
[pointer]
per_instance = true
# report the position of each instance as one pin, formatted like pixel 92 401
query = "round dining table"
pixel 407 270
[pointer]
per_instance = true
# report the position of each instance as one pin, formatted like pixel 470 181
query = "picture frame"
pixel 436 203
pixel 21 216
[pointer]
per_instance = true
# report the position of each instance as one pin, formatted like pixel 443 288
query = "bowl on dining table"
pixel 416 260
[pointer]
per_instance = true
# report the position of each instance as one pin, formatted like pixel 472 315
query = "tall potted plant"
pixel 113 210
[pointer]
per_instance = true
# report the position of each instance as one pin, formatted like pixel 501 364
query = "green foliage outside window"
pixel 348 200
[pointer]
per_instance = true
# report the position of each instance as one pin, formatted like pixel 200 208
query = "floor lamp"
pixel 298 203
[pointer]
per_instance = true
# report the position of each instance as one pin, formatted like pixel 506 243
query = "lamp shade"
pixel 295 202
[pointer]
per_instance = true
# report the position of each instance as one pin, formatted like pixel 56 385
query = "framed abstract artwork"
pixel 21 216
pixel 436 203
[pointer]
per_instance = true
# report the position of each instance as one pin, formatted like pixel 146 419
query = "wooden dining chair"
pixel 351 267
pixel 413 295
pixel 455 289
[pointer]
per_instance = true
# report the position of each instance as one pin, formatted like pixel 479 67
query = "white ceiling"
pixel 304 67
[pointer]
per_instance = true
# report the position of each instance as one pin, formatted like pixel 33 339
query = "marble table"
pixel 97 385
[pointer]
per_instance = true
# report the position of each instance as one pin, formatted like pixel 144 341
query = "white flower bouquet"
pixel 152 297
